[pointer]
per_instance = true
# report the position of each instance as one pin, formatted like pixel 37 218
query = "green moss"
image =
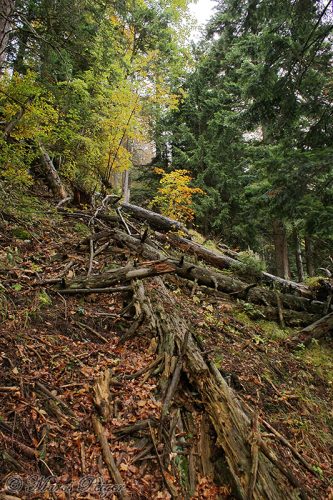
pixel 314 281
pixel 273 330
pixel 320 358
pixel 21 233
pixel 82 229
pixel 270 329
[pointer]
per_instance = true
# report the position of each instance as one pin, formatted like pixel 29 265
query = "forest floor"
pixel 53 349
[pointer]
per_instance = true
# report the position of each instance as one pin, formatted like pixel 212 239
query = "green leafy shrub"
pixel 249 264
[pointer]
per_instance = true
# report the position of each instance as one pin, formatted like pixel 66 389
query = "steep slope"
pixel 151 385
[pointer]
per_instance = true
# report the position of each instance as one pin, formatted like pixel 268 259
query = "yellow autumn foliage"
pixel 175 195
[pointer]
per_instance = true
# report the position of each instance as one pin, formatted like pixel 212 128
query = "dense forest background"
pixel 246 112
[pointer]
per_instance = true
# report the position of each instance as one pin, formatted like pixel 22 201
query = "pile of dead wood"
pixel 254 469
pixel 287 302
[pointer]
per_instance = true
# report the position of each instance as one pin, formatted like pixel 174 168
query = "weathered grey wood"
pixel 154 219
pixel 52 175
pixel 221 261
pixel 218 280
pixel 120 275
pixel 231 424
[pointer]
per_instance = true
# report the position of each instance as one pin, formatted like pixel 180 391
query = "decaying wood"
pixel 217 280
pixel 154 219
pixel 168 484
pixel 91 330
pixel 108 458
pixel 51 174
pixel 121 275
pixel 316 331
pixel 287 443
pixel 301 491
pixel 102 395
pixel 138 426
pixel 87 291
pixel 231 424
pixel 41 388
pixel 291 318
pixel 146 369
pixel 221 261
pixel 255 436
pixel 21 447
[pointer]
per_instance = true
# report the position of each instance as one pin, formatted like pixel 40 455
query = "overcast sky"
pixel 202 10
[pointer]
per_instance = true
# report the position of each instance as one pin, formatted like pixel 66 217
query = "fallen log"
pixel 120 275
pixel 221 261
pixel 291 318
pixel 218 280
pixel 203 276
pixel 231 423
pixel 154 219
pixel 108 459
pixel 316 331
pixel 102 395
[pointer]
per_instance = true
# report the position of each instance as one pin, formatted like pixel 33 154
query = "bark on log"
pixel 121 275
pixel 220 281
pixel 291 318
pixel 154 219
pixel 52 175
pixel 228 417
pixel 102 395
pixel 316 330
pixel 221 261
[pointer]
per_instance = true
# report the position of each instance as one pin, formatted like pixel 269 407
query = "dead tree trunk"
pixel 316 331
pixel 126 186
pixel 221 261
pixel 232 425
pixel 154 219
pixel 281 249
pixel 120 275
pixel 51 174
pixel 220 281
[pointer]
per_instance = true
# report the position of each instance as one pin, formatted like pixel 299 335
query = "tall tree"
pixel 256 127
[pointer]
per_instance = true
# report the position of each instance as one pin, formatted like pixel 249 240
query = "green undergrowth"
pixel 25 212
pixel 209 244
pixel 270 329
pixel 319 356
pixel 82 229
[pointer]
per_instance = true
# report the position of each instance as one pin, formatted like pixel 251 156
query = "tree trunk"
pixel 281 249
pixel 51 174
pixel 309 256
pixel 218 280
pixel 298 257
pixel 23 38
pixel 126 188
pixel 154 219
pixel 316 330
pixel 6 11
pixel 121 275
